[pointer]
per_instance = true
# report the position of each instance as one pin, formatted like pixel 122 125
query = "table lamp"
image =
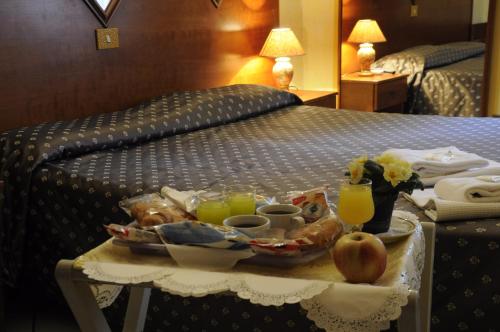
pixel 366 32
pixel 282 44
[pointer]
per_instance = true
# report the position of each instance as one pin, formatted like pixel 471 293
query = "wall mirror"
pixel 103 9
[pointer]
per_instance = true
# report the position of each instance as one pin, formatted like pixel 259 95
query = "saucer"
pixel 402 224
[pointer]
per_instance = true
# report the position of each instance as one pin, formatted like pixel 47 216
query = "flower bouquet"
pixel 389 175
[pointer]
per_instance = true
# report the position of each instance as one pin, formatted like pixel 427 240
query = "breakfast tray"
pixel 259 259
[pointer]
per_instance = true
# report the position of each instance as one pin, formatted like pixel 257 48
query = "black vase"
pixel 381 221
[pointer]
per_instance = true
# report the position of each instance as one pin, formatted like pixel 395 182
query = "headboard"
pixel 438 21
pixel 50 68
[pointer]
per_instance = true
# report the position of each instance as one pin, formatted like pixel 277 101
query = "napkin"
pixel 203 235
pixel 445 210
pixel 481 189
pixel 439 161
pixel 183 199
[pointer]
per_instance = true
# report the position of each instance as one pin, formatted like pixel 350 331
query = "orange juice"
pixel 355 205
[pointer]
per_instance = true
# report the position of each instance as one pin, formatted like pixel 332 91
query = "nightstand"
pixel 384 92
pixel 317 98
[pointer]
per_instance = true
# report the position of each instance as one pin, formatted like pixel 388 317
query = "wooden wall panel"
pixel 50 68
pixel 439 21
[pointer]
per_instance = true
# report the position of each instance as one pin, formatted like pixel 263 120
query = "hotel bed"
pixel 64 180
pixel 443 79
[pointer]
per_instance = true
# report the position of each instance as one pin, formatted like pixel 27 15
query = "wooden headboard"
pixel 50 68
pixel 438 21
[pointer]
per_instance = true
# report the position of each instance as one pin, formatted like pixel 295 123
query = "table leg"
pixel 136 310
pixel 2 305
pixel 80 299
pixel 425 291
pixel 409 321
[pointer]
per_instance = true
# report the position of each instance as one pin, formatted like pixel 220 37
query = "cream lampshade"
pixel 366 32
pixel 282 44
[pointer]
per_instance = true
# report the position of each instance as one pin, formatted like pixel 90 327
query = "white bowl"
pixel 211 259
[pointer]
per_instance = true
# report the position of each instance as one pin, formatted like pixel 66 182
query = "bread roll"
pixel 322 233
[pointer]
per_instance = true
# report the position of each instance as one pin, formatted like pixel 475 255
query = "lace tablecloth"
pixel 331 303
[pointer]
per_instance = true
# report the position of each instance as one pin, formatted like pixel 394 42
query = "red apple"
pixel 360 257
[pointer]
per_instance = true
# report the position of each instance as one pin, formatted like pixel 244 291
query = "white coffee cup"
pixel 285 216
pixel 250 224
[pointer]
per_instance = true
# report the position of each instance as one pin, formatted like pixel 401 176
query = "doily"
pixel 194 283
pixel 350 312
pixel 124 273
pixel 105 294
pixel 276 291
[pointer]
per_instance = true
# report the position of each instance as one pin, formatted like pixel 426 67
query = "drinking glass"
pixel 241 199
pixel 355 206
pixel 212 208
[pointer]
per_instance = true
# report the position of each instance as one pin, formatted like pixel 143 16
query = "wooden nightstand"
pixel 384 92
pixel 317 98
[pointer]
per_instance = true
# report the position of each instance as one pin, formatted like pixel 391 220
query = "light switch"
pixel 107 38
pixel 414 10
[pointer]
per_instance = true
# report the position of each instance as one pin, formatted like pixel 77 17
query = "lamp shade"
pixel 366 31
pixel 281 42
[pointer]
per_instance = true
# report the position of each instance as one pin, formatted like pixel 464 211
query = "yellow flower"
pixel 361 160
pixel 386 158
pixel 396 172
pixel 356 169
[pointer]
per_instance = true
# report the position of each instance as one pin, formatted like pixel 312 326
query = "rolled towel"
pixel 481 189
pixel 439 161
pixel 493 169
pixel 444 210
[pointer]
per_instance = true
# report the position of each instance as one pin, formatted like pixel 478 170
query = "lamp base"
pixel 365 73
pixel 366 56
pixel 283 72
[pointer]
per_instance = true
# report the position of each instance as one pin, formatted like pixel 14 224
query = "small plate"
pixel 402 224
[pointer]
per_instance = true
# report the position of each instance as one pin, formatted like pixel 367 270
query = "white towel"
pixel 481 189
pixel 443 210
pixel 439 161
pixel 493 168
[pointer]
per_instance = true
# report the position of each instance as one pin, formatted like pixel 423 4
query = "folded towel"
pixel 443 210
pixel 493 168
pixel 439 161
pixel 481 189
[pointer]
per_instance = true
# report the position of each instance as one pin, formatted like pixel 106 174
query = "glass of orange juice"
pixel 355 206
pixel 212 208
pixel 241 199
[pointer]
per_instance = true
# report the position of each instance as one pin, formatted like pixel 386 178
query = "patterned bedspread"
pixel 442 79
pixel 238 134
pixel 452 90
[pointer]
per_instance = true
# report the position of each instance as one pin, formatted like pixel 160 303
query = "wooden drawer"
pixel 390 93
pixel 357 96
